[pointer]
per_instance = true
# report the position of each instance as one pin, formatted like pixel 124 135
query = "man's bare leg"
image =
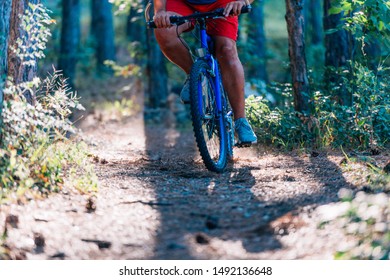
pixel 232 74
pixel 173 48
pixel 231 67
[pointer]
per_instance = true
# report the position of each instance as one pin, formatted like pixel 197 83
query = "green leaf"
pixel 335 10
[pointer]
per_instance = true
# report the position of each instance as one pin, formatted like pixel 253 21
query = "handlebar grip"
pixel 246 9
pixel 172 19
pixel 151 24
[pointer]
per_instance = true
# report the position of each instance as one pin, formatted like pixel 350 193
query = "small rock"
pixel 202 239
pixel 91 205
pixel 95 159
pixel 289 178
pixel 314 154
pixel 39 240
pixel 12 220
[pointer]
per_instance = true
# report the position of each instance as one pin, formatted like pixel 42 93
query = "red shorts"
pixel 226 27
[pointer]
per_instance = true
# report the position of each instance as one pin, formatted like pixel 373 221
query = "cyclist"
pixel 224 32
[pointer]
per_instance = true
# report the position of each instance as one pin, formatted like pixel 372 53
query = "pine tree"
pixel 70 38
pixel 296 39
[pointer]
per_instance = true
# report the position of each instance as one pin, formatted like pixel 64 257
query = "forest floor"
pixel 157 201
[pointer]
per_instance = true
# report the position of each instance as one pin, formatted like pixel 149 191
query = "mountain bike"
pixel 211 114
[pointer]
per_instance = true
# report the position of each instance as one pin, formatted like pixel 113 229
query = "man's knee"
pixel 164 37
pixel 226 50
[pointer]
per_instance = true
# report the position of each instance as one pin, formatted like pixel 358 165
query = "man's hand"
pixel 161 19
pixel 234 8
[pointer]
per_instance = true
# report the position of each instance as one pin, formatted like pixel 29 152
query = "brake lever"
pixel 147 9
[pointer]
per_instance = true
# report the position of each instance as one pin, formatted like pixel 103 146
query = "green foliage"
pixel 24 125
pixel 35 23
pixel 366 19
pixel 364 125
pixel 275 126
pixel 35 154
pixel 367 122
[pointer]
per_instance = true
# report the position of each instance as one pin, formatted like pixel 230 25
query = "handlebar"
pixel 178 20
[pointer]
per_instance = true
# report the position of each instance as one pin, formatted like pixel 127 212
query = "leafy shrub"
pixel 35 153
pixel 366 124
pixel 275 126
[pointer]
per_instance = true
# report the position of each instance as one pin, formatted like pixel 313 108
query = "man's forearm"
pixel 159 5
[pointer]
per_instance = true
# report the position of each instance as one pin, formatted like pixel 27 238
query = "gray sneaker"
pixel 244 131
pixel 185 92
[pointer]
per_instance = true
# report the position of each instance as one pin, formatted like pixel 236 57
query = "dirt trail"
pixel 157 201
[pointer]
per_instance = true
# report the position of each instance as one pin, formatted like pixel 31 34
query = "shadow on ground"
pixel 238 214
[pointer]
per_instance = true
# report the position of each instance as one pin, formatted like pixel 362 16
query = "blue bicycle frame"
pixel 205 40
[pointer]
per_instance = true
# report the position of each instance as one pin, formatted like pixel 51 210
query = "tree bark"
pixel 338 51
pixel 16 71
pixel 103 32
pixel 5 12
pixel 157 74
pixel 337 43
pixel 134 26
pixel 315 18
pixel 257 38
pixel 296 40
pixel 70 38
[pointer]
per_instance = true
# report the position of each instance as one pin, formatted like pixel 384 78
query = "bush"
pixel 35 153
pixel 366 124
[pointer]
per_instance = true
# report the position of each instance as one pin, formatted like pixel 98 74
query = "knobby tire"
pixel 205 121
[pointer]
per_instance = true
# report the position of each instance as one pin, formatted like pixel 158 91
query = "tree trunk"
pixel 5 12
pixel 103 32
pixel 296 40
pixel 16 71
pixel 157 74
pixel 337 43
pixel 257 37
pixel 315 18
pixel 70 38
pixel 337 53
pixel 134 26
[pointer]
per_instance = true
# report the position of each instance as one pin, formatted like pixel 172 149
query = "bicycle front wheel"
pixel 208 123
